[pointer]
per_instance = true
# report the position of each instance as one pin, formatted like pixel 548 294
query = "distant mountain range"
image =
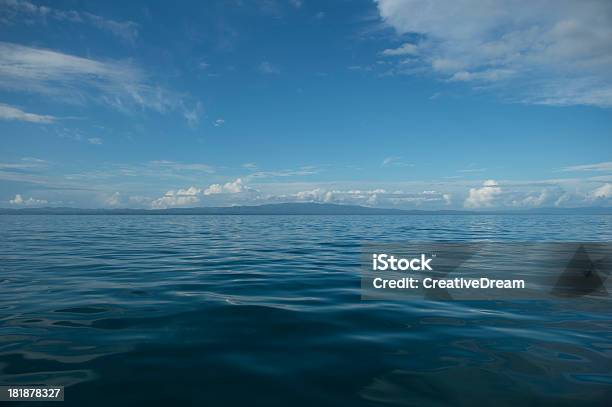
pixel 297 209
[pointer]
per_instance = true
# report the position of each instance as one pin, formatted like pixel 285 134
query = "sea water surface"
pixel 266 311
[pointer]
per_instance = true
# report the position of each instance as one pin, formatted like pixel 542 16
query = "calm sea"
pixel 266 310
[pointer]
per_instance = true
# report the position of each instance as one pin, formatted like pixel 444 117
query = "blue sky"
pixel 407 104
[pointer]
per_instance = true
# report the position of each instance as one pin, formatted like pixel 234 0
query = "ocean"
pixel 267 310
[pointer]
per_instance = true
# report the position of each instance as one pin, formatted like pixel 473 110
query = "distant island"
pixel 298 209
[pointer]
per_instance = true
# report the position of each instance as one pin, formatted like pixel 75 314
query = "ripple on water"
pixel 229 310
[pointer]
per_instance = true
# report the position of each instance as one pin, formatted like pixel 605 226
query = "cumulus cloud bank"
pixel 20 201
pixel 195 195
pixel 539 195
pixel 372 197
pixel 483 197
pixel 233 187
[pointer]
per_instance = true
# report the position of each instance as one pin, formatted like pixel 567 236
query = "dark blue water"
pixel 266 310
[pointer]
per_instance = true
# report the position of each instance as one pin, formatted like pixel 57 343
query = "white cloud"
pixel 395 162
pixel 456 194
pixel 388 160
pixel 113 200
pixel 315 195
pixel 268 68
pixel 555 52
pixel 219 122
pixel 605 166
pixel 233 187
pixel 213 189
pixel 484 196
pixel 20 201
pixel 531 200
pixel 12 113
pixel 604 191
pixel 559 193
pixel 191 191
pixel 490 75
pixel 192 115
pixel 370 197
pixel 95 140
pixel 138 186
pixel 405 49
pixel 74 79
pixel 180 197
pixel 11 9
pixel 194 195
pixel 236 192
pixel 171 201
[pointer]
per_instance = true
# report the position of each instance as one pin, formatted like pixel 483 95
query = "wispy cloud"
pixel 12 10
pixel 71 79
pixel 192 115
pixel 12 113
pixel 268 68
pixel 180 166
pixel 470 170
pixel 545 52
pixel 302 171
pixel 26 163
pixel 388 161
pixel 604 166
pixel 395 162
